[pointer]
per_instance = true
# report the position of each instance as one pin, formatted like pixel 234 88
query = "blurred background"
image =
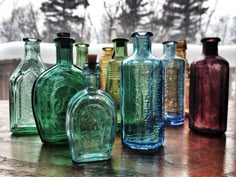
pixel 101 20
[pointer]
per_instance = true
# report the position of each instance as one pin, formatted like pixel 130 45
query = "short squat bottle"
pixel 91 119
pixel 52 91
pixel 174 85
pixel 81 54
pixel 209 87
pixel 113 73
pixel 142 124
pixel 181 52
pixel 20 88
pixel 105 58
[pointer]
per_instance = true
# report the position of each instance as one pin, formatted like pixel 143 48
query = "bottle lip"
pixel 120 39
pixel 210 39
pixel 29 39
pixel 64 37
pixel 142 33
pixel 81 43
pixel 107 48
pixel 168 42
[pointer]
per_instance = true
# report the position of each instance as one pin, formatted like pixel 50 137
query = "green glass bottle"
pixel 81 54
pixel 53 90
pixel 91 119
pixel 113 73
pixel 20 87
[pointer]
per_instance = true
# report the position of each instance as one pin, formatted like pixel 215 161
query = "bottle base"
pixel 207 132
pixel 174 121
pixel 143 147
pixel 93 157
pixel 24 131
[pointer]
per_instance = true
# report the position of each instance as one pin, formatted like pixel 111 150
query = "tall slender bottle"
pixel 106 56
pixel 113 73
pixel 142 124
pixel 91 119
pixel 20 88
pixel 209 87
pixel 52 91
pixel 81 54
pixel 181 52
pixel 173 87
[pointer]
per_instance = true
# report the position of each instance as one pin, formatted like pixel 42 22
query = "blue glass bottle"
pixel 91 119
pixel 174 85
pixel 141 97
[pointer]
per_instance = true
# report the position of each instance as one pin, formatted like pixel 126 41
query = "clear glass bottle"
pixel 106 56
pixel 181 52
pixel 174 85
pixel 91 119
pixel 209 87
pixel 81 54
pixel 113 73
pixel 20 87
pixel 142 124
pixel 52 91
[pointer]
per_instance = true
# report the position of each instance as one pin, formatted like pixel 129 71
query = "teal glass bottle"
pixel 20 88
pixel 113 73
pixel 91 119
pixel 174 85
pixel 52 91
pixel 81 54
pixel 142 124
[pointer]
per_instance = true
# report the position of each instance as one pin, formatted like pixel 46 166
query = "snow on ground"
pixel 12 50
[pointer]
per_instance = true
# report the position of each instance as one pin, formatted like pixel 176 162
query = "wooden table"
pixel 184 154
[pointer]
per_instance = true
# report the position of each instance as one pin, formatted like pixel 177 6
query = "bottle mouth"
pixel 182 44
pixel 26 39
pixel 169 42
pixel 64 37
pixel 120 39
pixel 211 39
pixel 81 44
pixel 142 33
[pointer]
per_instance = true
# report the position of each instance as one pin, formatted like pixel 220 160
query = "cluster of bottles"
pixel 139 94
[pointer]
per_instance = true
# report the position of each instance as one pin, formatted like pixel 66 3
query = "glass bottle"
pixel 106 56
pixel 91 119
pixel 52 91
pixel 81 54
pixel 209 86
pixel 142 124
pixel 174 83
pixel 20 87
pixel 113 73
pixel 181 52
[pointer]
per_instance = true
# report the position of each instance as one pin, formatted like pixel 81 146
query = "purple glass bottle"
pixel 209 84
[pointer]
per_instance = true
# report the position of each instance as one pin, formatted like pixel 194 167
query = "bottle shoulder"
pixel 206 60
pixel 92 97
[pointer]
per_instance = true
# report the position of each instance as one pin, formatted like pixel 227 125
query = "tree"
pixel 134 15
pixel 61 16
pixel 182 18
pixel 109 22
pixel 22 23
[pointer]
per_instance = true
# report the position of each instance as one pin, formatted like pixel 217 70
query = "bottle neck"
pixel 92 77
pixel 120 51
pixel 64 54
pixel 142 45
pixel 107 52
pixel 82 52
pixel 32 50
pixel 210 48
pixel 169 49
pixel 181 52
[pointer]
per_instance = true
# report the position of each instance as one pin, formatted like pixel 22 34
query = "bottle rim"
pixel 210 39
pixel 107 48
pixel 120 39
pixel 29 39
pixel 142 33
pixel 168 42
pixel 81 43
